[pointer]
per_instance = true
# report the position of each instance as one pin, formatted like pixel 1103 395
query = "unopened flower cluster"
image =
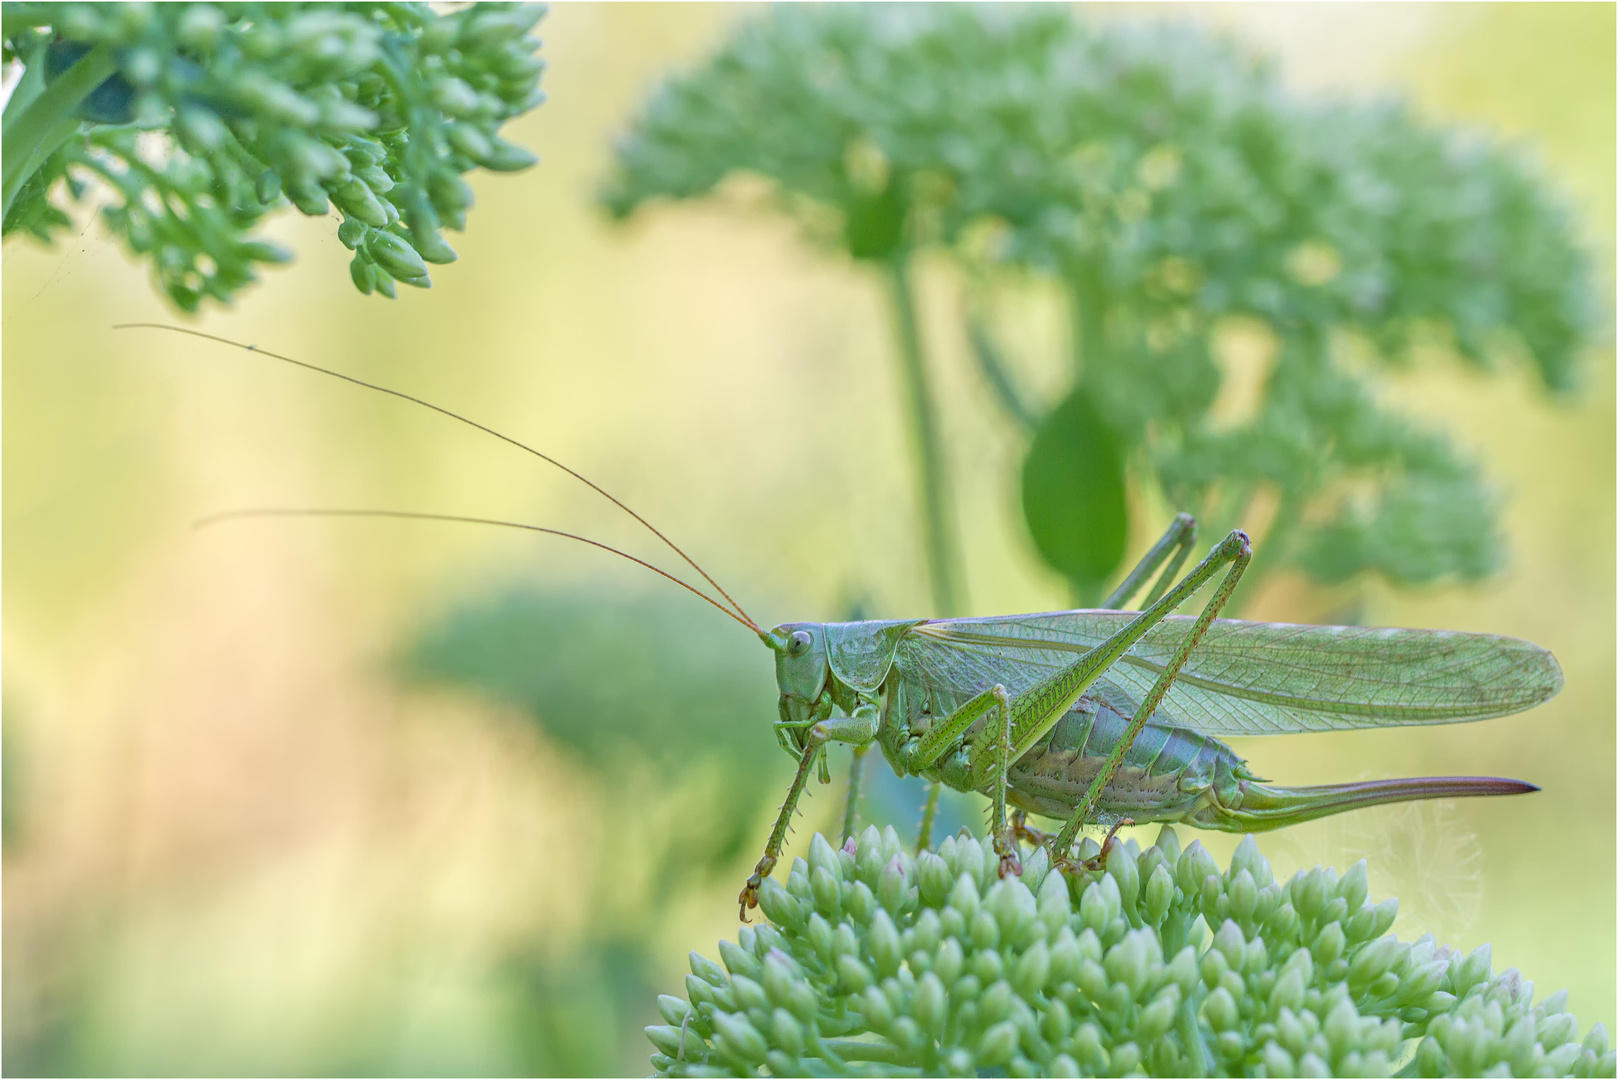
pixel 204 117
pixel 1166 181
pixel 879 963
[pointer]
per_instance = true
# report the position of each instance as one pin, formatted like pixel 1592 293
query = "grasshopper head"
pixel 801 671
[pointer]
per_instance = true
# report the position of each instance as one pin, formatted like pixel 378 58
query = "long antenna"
pixel 465 420
pixel 278 511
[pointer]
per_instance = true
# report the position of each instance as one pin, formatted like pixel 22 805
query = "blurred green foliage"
pixel 377 109
pixel 622 681
pixel 1163 178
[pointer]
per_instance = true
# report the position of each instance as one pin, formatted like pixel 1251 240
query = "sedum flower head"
pixel 877 962
pixel 200 118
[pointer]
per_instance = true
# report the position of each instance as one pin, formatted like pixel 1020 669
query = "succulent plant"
pixel 876 962
pixel 201 118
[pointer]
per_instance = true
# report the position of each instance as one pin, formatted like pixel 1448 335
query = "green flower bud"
pixel 1056 1022
pixel 927 932
pixel 877 1012
pixel 1288 992
pixel 1373 960
pixel 964 897
pixel 1309 894
pixel 667 1039
pixel 673 1010
pixel 933 879
pixel 1122 868
pixel 1312 1064
pixel 374 177
pixel 778 977
pixel 1159 1016
pixel 1012 906
pixel 853 975
pixel 828 893
pixel 988 966
pixel 1231 943
pixel 1283 921
pixel 818 933
pixel 1243 893
pixel 996 1003
pixel 466 139
pixel 861 903
pixel 1355 886
pixel 738 961
pixel 1194 867
pixel 1055 904
pixel 868 860
pixel 779 906
pixel 750 995
pixel 1471 971
pixel 1248 857
pixel 362 273
pixel 351 233
pixel 1341 1027
pixel 708 971
pixel 1159 895
pixel 1557 1029
pixel 884 943
pixel 1255 956
pixel 200 27
pixel 949 962
pixel 308 197
pixel 892 889
pixel 1030 973
pixel 1596 1042
pixel 930 1004
pixel 985 931
pixel 394 255
pixel 1220 1011
pixel 1213 967
pixel 1277 1062
pixel 487 28
pixel 1329 943
pixel 384 283
pixel 845 942
pixel 737 1039
pixel 1130 961
pixel 1100 904
pixel 1126 1058
pixel 1419 981
pixel 268 186
pixel 1091 1051
pixel 1561 1060
pixel 1093 980
pixel 998 1044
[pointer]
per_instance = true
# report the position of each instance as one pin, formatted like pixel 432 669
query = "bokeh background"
pixel 382 797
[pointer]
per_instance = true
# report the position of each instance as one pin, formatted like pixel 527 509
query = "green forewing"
pixel 1247 678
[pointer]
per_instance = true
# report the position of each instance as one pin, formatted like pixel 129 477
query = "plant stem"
pixel 1087 312
pixel 1087 305
pixel 938 524
pixel 49 120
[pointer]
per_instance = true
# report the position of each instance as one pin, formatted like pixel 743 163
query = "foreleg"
pixel 858 729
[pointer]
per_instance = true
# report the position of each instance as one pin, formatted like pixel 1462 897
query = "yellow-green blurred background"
pixel 239 840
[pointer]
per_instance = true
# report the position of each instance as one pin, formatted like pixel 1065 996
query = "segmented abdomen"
pixel 1166 774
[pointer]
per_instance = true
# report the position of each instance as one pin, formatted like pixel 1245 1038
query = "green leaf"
pixel 1073 492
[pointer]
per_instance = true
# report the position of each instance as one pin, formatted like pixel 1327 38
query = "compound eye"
pixel 801 640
